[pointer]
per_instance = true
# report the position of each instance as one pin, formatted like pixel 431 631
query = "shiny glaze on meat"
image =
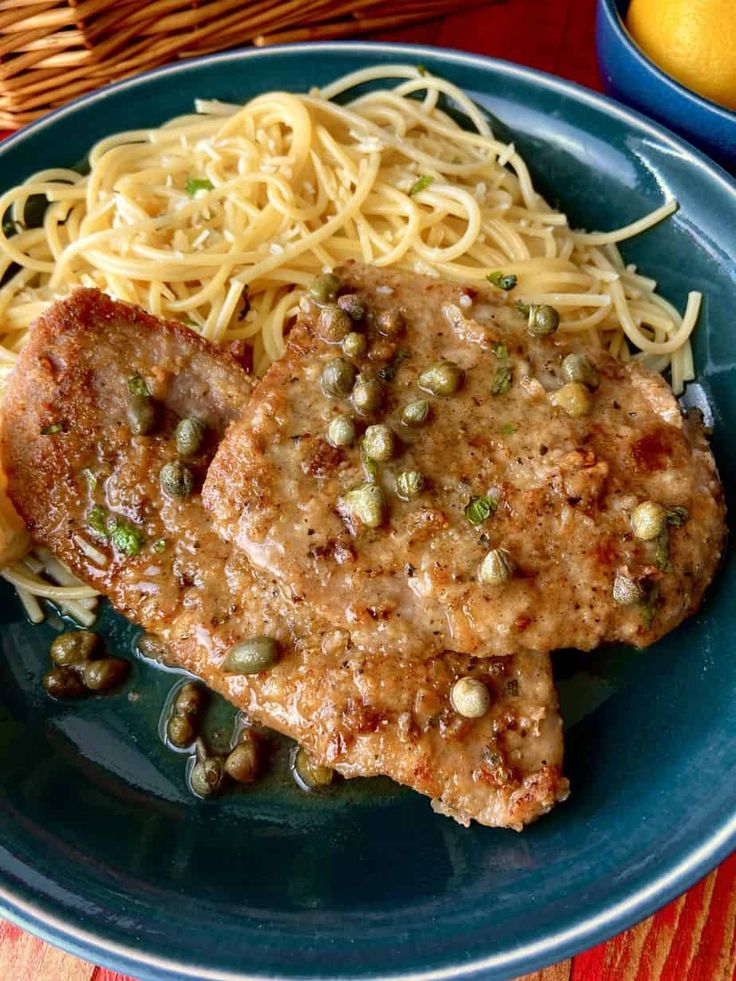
pixel 566 486
pixel 361 713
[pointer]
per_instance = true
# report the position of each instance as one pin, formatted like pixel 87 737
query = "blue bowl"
pixel 631 77
pixel 104 851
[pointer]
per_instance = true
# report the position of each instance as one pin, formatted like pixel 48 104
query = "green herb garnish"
pixel 421 69
pixel 159 545
pixel 502 380
pixel 504 281
pixel 53 429
pixel 501 352
pixel 96 520
pixel 648 607
pixel 508 429
pixel 676 518
pixel 388 372
pixel 662 554
pixel 124 536
pixel 195 184
pixel 420 185
pixel 137 386
pixel 480 509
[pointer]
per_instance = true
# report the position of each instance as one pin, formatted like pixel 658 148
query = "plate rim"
pixel 586 931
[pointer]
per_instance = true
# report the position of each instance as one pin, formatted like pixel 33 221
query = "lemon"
pixel 694 41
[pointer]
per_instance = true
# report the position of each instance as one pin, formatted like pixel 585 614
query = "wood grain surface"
pixel 694 937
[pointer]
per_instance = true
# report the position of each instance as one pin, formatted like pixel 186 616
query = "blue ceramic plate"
pixel 103 851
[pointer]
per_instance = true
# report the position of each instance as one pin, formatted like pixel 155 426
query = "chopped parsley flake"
pixel 648 607
pixel 96 520
pixel 661 556
pixel 124 536
pixel 508 429
pixel 503 281
pixel 502 380
pixel 53 429
pixel 420 185
pixel 195 184
pixel 159 545
pixel 137 386
pixel 480 509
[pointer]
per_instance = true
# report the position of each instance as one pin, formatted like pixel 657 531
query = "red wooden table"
pixel 694 938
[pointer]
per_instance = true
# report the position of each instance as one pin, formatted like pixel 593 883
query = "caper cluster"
pixel 339 322
pixel 581 376
pixel 78 668
pixel 211 771
pixel 182 727
pixel 176 478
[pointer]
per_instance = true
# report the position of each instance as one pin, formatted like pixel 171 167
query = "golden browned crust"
pixel 361 713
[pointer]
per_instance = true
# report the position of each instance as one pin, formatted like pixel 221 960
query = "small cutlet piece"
pixel 454 481
pixel 91 489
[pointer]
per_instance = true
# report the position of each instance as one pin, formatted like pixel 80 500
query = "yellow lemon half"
pixel 694 41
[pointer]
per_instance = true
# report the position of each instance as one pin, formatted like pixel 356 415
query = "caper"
pixel 441 378
pixel 190 699
pixel 390 322
pixel 242 762
pixel 470 698
pixel 354 344
pixel 353 305
pixel 626 591
pixel 73 646
pixel 415 413
pixel 367 396
pixel 176 480
pixel 180 731
pixel 497 567
pixel 338 377
pixel 574 398
pixel 311 775
pixel 648 520
pixel 367 503
pixel 379 443
pixel 63 683
pixel 577 368
pixel 325 287
pixel 543 319
pixel 251 656
pixel 409 483
pixel 141 414
pixel 189 436
pixel 334 324
pixel 207 775
pixel 341 431
pixel 105 673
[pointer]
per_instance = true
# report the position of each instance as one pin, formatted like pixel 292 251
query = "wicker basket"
pixel 52 51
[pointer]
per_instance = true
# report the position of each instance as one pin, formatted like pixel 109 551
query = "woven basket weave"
pixel 52 51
